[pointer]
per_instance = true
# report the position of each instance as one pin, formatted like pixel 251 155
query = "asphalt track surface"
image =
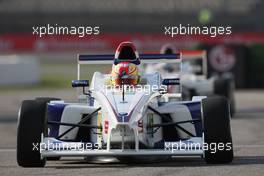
pixel 248 138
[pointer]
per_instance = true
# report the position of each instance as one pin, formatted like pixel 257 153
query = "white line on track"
pixel 249 146
pixel 7 150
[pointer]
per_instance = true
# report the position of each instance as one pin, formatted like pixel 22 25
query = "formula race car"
pixel 124 114
pixel 194 77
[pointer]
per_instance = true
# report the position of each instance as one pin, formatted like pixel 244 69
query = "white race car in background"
pixel 124 123
pixel 194 79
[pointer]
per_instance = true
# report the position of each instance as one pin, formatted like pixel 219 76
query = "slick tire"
pixel 217 132
pixel 46 100
pixel 225 87
pixel 31 123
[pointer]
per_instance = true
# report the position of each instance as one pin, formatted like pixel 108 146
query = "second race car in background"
pixel 194 77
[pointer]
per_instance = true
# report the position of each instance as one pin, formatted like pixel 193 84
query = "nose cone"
pixel 123 117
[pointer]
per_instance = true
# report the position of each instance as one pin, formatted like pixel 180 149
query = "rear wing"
pixel 144 58
pixel 84 59
pixel 196 54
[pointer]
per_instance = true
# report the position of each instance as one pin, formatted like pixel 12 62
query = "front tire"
pixel 217 132
pixel 31 124
pixel 47 100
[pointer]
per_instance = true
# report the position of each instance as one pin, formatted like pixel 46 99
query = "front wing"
pixel 75 149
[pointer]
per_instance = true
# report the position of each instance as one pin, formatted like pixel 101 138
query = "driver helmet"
pixel 126 73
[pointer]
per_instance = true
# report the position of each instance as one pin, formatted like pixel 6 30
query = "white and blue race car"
pixel 126 122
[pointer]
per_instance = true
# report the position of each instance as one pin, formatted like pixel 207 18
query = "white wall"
pixel 18 70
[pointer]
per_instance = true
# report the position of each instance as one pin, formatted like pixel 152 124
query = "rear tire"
pixel 225 87
pixel 31 123
pixel 217 132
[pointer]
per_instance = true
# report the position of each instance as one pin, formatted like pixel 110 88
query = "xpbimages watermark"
pixel 80 31
pixel 211 31
pixel 189 145
pixel 57 146
pixel 146 89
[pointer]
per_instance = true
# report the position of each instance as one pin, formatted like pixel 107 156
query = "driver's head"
pixel 126 52
pixel 125 72
pixel 168 49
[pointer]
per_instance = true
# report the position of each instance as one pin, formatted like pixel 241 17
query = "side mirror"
pixel 80 83
pixel 83 84
pixel 172 81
